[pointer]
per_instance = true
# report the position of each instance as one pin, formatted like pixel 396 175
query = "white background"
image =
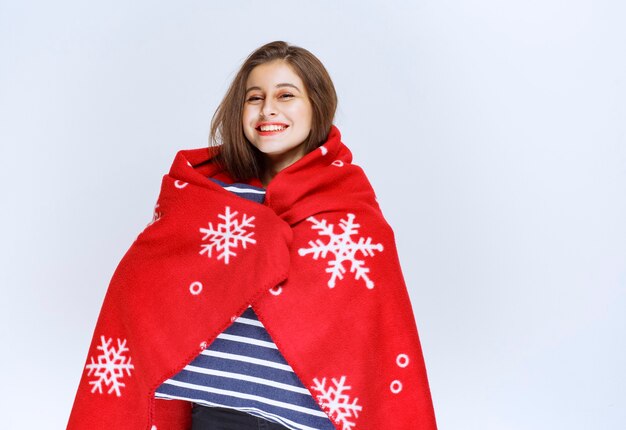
pixel 493 132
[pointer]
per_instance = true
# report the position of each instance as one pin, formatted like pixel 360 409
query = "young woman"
pixel 266 293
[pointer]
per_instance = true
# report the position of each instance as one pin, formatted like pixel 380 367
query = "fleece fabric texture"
pixel 326 284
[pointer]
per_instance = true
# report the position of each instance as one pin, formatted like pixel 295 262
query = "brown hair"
pixel 240 158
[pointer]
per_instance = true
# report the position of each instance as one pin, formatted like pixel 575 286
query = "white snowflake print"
pixel 110 366
pixel 343 247
pixel 335 400
pixel 227 235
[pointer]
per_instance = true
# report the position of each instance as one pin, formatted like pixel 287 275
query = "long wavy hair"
pixel 237 155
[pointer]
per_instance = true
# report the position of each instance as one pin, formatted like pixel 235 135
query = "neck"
pixel 273 165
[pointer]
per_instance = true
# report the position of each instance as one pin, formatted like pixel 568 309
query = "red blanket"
pixel 318 264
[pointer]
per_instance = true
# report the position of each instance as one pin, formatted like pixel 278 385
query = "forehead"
pixel 267 75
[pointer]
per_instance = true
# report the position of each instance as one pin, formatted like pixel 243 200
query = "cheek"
pixel 304 114
pixel 247 123
pixel 308 117
pixel 247 115
pixel 251 110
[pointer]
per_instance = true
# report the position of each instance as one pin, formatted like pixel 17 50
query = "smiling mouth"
pixel 271 128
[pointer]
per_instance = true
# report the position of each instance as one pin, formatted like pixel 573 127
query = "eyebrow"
pixel 284 84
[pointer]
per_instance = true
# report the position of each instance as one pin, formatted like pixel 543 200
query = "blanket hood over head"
pixel 318 264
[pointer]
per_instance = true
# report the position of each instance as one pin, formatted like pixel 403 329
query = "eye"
pixel 286 95
pixel 253 98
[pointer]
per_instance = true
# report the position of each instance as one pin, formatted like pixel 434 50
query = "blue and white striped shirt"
pixel 243 370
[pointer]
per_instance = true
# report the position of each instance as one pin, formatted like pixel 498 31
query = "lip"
pixel 270 133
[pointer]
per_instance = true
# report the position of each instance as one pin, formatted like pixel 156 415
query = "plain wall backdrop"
pixel 493 132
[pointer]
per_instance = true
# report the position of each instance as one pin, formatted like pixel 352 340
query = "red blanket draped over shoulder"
pixel 317 262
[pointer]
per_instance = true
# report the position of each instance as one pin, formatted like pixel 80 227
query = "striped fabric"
pixel 243 369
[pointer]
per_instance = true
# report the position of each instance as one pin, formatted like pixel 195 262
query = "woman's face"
pixel 277 113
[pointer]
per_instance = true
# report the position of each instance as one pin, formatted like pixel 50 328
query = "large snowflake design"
pixel 227 235
pixel 343 248
pixel 109 366
pixel 334 399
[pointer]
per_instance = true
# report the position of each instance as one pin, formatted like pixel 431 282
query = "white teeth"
pixel 272 127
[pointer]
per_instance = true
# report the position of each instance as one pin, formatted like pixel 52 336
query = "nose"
pixel 268 109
